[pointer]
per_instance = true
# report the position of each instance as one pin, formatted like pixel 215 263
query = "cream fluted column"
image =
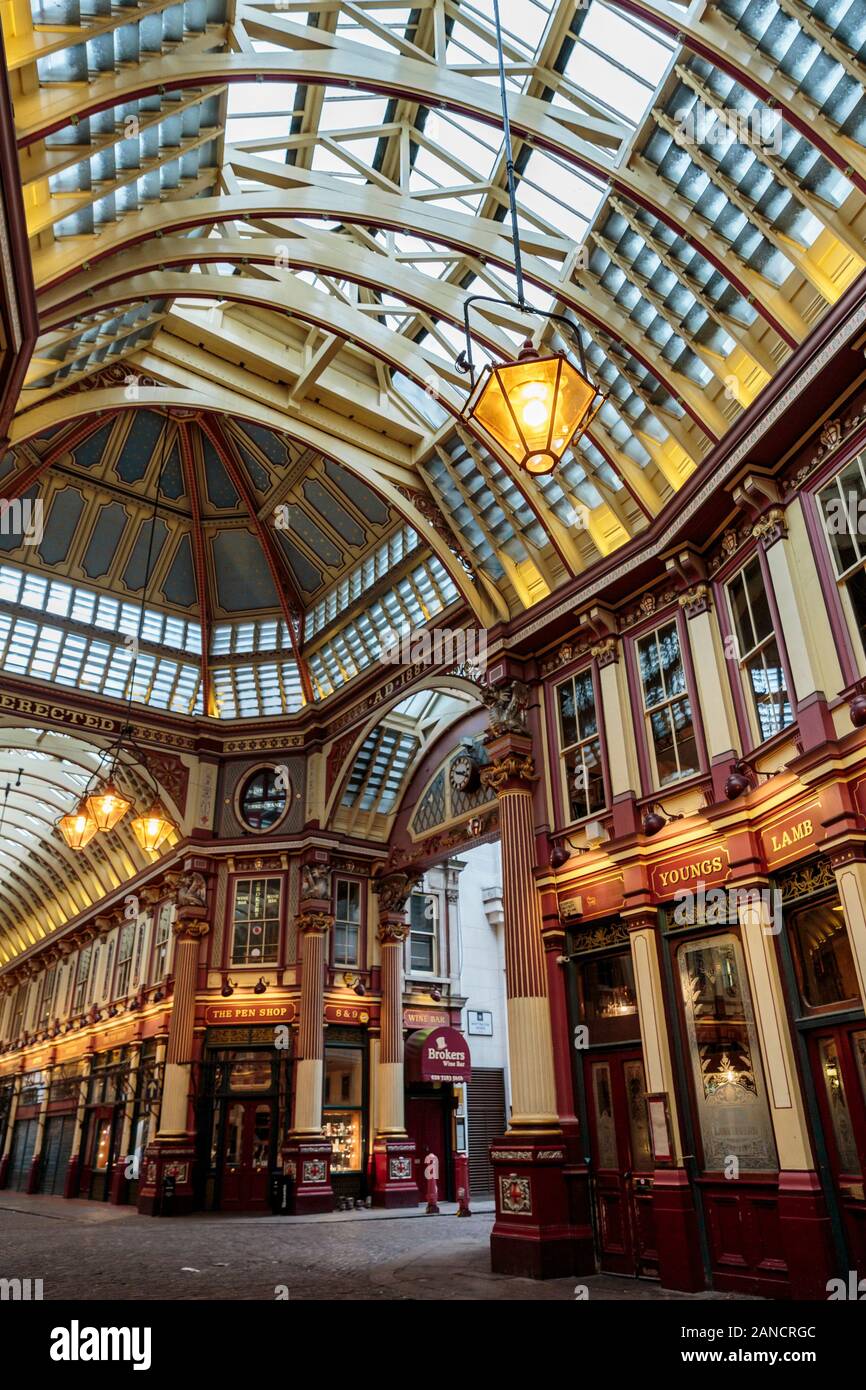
pixel 803 1219
pixel 166 1186
pixel 511 774
pixel 313 929
pixel 307 1152
pixel 394 1182
pixel 539 1232
pixel 849 867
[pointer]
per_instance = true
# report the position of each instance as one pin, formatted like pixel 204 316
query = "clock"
pixel 463 772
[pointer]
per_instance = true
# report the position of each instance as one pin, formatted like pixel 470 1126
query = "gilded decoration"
pixel 190 930
pixel 771 526
pixel 597 938
pixel 515 1196
pixel 393 890
pixel 513 767
pixel 695 600
pixel 805 880
pixel 314 922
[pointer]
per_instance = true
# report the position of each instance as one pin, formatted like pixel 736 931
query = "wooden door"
pixel 246 1155
pixel 622 1163
pixel 839 1065
pixel 426 1118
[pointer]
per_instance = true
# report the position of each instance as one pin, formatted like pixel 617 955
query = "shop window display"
pixel 825 967
pixel 729 1085
pixel 344 1072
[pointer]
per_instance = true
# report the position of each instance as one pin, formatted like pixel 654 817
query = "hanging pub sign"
pixel 438 1054
pixel 689 870
pixel 791 835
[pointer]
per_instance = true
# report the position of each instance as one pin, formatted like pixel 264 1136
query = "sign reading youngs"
pixel 438 1054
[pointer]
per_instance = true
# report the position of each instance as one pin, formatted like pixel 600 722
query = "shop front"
pixel 611 1098
pixel 245 1097
pixel 102 1135
pixel 21 1176
pixel 60 1120
pixel 437 1061
pixel 345 1109
pixel 828 1020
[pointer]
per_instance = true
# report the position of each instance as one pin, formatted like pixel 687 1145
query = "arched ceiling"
pixel 287 204
pixel 43 884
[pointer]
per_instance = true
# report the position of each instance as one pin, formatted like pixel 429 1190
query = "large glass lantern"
pixel 78 827
pixel 152 827
pixel 534 407
pixel 107 806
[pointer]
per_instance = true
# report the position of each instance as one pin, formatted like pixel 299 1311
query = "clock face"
pixel 462 772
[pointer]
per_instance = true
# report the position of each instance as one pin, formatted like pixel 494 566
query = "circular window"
pixel 263 799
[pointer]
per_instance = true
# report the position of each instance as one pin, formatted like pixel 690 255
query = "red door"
pixel 839 1066
pixel 623 1164
pixel 247 1145
pixel 426 1123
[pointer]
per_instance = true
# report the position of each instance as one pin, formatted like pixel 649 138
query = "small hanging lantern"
pixel 152 827
pixel 78 827
pixel 534 407
pixel 107 806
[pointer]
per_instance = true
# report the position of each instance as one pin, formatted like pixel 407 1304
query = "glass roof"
pixel 278 213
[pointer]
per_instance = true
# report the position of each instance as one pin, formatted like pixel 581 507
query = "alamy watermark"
pixel 452 646
pixel 22 516
pixel 714 907
pixel 700 126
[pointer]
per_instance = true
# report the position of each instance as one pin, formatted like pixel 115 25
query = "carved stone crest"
pixel 507 705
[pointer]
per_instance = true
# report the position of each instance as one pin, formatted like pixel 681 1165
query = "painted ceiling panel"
pixel 243 580
pixel 60 525
pixel 106 534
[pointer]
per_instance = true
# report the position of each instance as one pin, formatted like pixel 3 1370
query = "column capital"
pixel 190 924
pixel 511 766
pixel 394 889
pixel 393 930
pixel 314 922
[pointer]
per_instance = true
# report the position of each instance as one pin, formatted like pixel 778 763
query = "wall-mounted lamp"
pixel 743 777
pixel 228 988
pixel 656 818
pixel 260 985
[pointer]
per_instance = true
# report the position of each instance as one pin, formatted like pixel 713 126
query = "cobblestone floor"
pixel 89 1250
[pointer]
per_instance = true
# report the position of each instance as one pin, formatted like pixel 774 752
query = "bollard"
pixel 461 1184
pixel 431 1173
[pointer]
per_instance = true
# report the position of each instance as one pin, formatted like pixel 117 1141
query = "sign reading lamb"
pixel 444 646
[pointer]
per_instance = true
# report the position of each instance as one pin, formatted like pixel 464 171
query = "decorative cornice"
pixel 320 922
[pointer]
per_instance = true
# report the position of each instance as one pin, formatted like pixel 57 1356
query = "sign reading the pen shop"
pixel 249 1013
pixel 689 870
pixel 792 835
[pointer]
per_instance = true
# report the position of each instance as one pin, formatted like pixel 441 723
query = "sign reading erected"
pixel 688 870
pixel 792 835
pixel 250 1013
pixel 438 1054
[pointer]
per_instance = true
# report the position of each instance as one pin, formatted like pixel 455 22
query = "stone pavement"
pixel 90 1250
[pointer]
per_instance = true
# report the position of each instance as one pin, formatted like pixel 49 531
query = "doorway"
pixel 838 1058
pixel 56 1152
pixel 622 1162
pixel 247 1150
pixel 21 1155
pixel 428 1123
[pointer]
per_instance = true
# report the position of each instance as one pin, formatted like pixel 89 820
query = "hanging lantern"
pixel 152 827
pixel 78 827
pixel 534 407
pixel 107 806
